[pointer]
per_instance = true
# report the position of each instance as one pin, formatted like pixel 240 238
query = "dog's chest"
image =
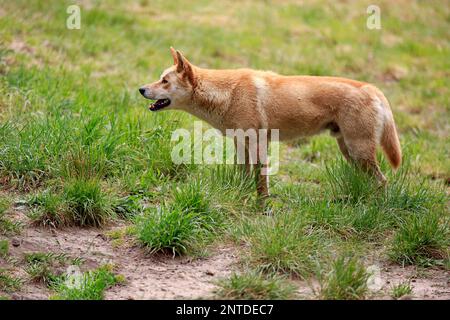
pixel 211 118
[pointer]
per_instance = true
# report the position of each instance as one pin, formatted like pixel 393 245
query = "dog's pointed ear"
pixel 174 55
pixel 185 67
pixel 181 62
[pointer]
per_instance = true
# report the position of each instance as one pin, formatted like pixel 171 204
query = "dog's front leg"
pixel 242 156
pixel 262 180
pixel 262 169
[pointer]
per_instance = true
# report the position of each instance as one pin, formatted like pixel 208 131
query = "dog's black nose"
pixel 142 90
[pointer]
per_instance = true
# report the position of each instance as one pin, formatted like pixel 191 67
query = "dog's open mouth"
pixel 159 104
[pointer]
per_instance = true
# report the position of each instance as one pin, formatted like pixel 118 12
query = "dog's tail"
pixel 391 144
pixel 389 138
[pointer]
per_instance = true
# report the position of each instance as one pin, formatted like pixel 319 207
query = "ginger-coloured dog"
pixel 356 113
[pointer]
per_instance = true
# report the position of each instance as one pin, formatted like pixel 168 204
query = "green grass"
pixel 255 286
pixel 404 191
pixel 8 226
pixel 128 207
pixel 80 202
pixel 48 209
pixel 87 204
pixel 9 283
pixel 401 289
pixel 4 248
pixel 79 145
pixel 283 243
pixel 348 183
pixel 90 286
pixel 359 208
pixel 168 229
pixel 421 239
pixel 347 280
pixel 186 222
pixel 45 267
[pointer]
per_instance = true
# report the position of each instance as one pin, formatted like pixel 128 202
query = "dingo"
pixel 356 113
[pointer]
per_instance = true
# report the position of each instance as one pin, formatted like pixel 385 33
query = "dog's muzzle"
pixel 158 104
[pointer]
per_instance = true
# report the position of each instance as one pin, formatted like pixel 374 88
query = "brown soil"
pixel 147 277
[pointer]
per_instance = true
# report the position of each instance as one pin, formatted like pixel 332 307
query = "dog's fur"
pixel 356 113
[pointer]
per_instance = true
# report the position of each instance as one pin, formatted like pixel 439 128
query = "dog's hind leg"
pixel 343 148
pixel 358 143
pixel 363 153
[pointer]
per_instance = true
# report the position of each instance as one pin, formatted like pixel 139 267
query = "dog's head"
pixel 175 86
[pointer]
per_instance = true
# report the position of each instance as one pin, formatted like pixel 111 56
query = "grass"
pixel 168 229
pixel 359 208
pixel 4 248
pixel 79 145
pixel 255 286
pixel 90 286
pixel 347 280
pixel 9 283
pixel 186 222
pixel 404 191
pixel 7 225
pixel 348 183
pixel 48 209
pixel 128 207
pixel 81 202
pixel 421 240
pixel 43 267
pixel 401 289
pixel 284 244
pixel 87 204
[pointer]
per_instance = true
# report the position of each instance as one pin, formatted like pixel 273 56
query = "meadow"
pixel 87 179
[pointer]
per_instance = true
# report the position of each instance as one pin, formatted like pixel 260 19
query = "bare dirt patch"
pixel 430 284
pixel 147 277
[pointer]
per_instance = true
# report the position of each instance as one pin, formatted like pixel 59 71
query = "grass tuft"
pixel 82 203
pixel 167 228
pixel 90 286
pixel 87 204
pixel 285 244
pixel 43 267
pixel 48 209
pixel 347 280
pixel 185 223
pixel 348 183
pixel 7 225
pixel 401 289
pixel 9 283
pixel 128 207
pixel 422 239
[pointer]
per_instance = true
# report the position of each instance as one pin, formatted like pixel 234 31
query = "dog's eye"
pixel 164 81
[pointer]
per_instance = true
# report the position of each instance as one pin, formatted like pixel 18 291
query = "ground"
pixel 87 178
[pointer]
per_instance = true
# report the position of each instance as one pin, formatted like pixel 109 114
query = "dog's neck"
pixel 211 97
